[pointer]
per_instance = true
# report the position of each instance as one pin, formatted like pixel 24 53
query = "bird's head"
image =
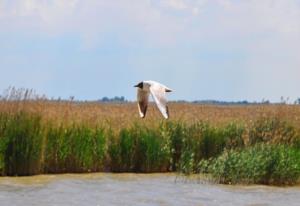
pixel 139 85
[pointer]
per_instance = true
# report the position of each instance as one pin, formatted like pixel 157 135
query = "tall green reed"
pixel 30 145
pixel 75 148
pixel 139 149
pixel 21 141
pixel 191 144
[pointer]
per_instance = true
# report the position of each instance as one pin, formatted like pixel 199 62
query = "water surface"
pixel 135 189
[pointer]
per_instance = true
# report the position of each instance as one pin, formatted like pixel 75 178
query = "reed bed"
pixel 121 115
pixel 259 164
pixel 235 144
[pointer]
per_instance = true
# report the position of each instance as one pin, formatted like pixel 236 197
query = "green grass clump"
pixel 272 130
pixel 74 149
pixel 21 140
pixel 234 135
pixel 139 149
pixel 260 164
pixel 122 151
pixel 191 144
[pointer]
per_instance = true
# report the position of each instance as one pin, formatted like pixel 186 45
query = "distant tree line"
pixel 122 99
pixel 113 99
pixel 218 102
pixel 297 101
pixel 14 94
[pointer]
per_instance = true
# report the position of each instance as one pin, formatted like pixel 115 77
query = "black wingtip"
pixel 168 115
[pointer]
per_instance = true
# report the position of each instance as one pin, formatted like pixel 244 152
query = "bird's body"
pixel 157 91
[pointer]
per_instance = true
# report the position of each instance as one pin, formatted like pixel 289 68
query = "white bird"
pixel 158 92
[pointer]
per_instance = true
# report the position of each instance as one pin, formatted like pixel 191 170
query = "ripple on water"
pixel 135 189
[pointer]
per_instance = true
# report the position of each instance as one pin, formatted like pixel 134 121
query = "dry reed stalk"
pixel 125 114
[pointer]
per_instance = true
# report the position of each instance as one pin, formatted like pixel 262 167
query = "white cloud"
pixel 267 31
pixel 175 4
pixel 155 21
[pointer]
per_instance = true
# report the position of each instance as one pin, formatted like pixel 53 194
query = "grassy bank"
pixel 235 144
pixel 263 151
pixel 258 164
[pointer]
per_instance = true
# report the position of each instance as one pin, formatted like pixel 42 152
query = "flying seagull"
pixel 158 92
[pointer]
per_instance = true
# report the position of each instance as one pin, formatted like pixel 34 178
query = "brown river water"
pixel 107 189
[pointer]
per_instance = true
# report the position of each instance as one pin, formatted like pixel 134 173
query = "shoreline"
pixel 42 179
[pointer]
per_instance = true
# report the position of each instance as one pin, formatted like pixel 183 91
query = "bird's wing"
pixel 159 95
pixel 142 97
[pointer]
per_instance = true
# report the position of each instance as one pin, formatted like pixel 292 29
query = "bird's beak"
pixel 135 86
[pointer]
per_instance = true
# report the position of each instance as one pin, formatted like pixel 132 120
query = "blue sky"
pixel 203 49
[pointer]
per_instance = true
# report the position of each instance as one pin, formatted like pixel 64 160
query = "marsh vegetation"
pixel 234 144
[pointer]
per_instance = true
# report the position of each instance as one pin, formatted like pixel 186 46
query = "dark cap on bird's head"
pixel 139 85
